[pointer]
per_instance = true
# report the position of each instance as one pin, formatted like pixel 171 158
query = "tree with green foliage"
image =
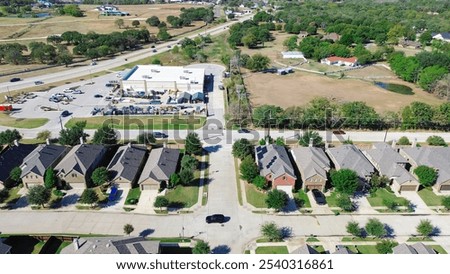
pixel 271 232
pixel 8 137
pixel 446 202
pixel 44 135
pixel 50 178
pixel 73 10
pixel 425 38
pixel 258 62
pixel 89 196
pixel 280 141
pixel 100 176
pixel 417 115
pixel 436 141
pixel 359 115
pixel 375 228
pixel 345 181
pixel 193 144
pixel 277 199
pixel 128 229
pixel 242 148
pixel 268 116
pixel 248 169
pixel 377 182
pixel 153 21
pixel 403 141
pixel 343 201
pixel 385 246
pixel 186 176
pixel 71 136
pixel 309 135
pixel 135 23
pixel 105 135
pixel 260 182
pixel 429 76
pixel 427 175
pixel 201 247
pixel 174 180
pixel 38 195
pixel 163 34
pixel 146 138
pixel 15 174
pixel 354 229
pixel 160 202
pixel 425 228
pixel 189 162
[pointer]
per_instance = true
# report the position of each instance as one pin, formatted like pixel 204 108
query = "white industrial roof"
pixel 156 73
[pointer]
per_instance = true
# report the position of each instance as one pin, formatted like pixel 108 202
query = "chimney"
pixel 76 244
pixel 16 143
pixel 394 142
pixel 47 141
pixel 311 142
pixel 414 143
pixel 81 140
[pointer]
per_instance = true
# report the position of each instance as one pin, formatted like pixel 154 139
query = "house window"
pixel 26 176
pixel 284 178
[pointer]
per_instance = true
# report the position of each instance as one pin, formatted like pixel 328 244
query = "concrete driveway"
pixel 417 202
pixel 318 209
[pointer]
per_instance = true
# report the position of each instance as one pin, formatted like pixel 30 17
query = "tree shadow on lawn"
pixel 175 205
pixel 286 232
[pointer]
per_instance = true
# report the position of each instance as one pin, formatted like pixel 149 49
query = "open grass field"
pixel 255 197
pixel 24 28
pixel 271 49
pixel 141 122
pixel 300 88
pixel 8 121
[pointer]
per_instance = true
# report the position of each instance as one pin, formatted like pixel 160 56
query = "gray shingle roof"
pixel 13 157
pixel 343 250
pixel 305 249
pixel 81 158
pixel 198 96
pixel 42 158
pixel 423 249
pixel 273 159
pixel 126 162
pixel 161 163
pixel 114 245
pixel 4 248
pixel 436 157
pixel 349 156
pixel 389 163
pixel 311 161
pixel 417 248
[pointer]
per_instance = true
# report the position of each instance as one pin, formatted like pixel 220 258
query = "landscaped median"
pixel 8 121
pixel 149 122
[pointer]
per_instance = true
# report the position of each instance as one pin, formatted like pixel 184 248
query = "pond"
pixel 401 89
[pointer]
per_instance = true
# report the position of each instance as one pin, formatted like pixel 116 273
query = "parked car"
pixel 215 218
pixel 319 197
pixel 243 130
pixel 160 135
pixel 109 85
pixel 77 91
pixel 93 63
pixel 169 46
pixel 65 113
pixel 98 96
pixel 154 50
pixel 68 90
pixel 15 79
pixel 38 83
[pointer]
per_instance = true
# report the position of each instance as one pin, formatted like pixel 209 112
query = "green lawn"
pixel 272 250
pixel 332 199
pixel 352 248
pixel 32 141
pixel 134 193
pixel 255 197
pixel 358 239
pixel 38 247
pixel 218 48
pixel 141 122
pixel 382 194
pixel 312 239
pixel 264 240
pixel 13 195
pixel 238 181
pixel 420 239
pixel 429 197
pixel 8 121
pixel 304 197
pixel 367 249
pixel 439 249
pixel 62 246
pixel 184 196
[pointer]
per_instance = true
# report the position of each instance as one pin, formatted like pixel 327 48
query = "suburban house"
pixel 12 157
pixel 417 248
pixel 313 164
pixel 161 163
pixel 435 157
pixel 38 161
pixel 126 164
pixel 340 61
pixel 293 55
pixel 443 36
pixel 4 248
pixel 350 157
pixel 77 166
pixel 305 249
pixel 274 165
pixel 390 164
pixel 342 250
pixel 112 245
pixel 333 36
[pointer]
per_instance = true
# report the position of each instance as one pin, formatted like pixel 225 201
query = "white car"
pixel 77 91
pixel 68 90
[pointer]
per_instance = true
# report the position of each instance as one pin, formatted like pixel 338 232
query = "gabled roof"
pixel 161 163
pixel 198 96
pixel 436 157
pixel 4 248
pixel 343 250
pixel 390 163
pixel 42 158
pixel 417 248
pixel 273 159
pixel 126 162
pixel 423 249
pixel 13 157
pixel 349 156
pixel 444 35
pixel 305 249
pixel 311 161
pixel 114 245
pixel 81 158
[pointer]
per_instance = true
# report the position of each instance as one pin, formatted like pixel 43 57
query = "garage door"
pixel 445 188
pixel 408 188
pixel 149 187
pixel 311 187
pixel 31 185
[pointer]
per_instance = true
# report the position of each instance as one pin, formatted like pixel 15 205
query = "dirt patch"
pixel 299 88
